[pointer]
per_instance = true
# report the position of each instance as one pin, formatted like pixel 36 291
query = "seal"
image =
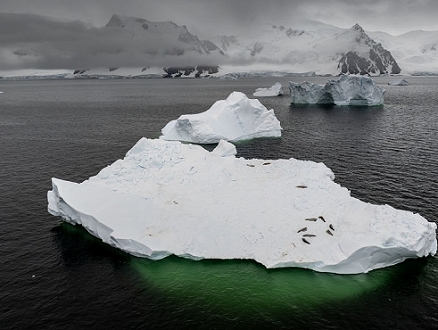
pixel 309 235
pixel 329 232
pixel 305 241
pixel 331 227
pixel 322 218
pixel 311 219
pixel 302 229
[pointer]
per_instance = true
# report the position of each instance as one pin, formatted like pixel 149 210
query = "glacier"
pixel 274 90
pixel 171 198
pixel 234 119
pixel 347 90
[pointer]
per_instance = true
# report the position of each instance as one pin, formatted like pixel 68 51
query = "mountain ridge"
pixel 165 48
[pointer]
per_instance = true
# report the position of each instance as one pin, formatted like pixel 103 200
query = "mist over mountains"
pixel 40 42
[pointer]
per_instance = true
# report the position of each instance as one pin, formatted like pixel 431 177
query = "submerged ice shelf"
pixel 166 197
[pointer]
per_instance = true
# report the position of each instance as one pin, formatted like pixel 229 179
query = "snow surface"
pixel 274 90
pixel 347 90
pixel 166 197
pixel 400 82
pixel 415 51
pixel 234 119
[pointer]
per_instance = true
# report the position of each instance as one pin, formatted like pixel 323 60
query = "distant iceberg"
pixel 234 119
pixel 348 90
pixel 401 82
pixel 166 197
pixel 274 90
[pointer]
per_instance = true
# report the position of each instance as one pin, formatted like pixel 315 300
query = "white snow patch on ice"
pixel 166 197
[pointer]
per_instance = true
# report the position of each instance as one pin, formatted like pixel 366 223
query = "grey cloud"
pixel 223 16
pixel 31 41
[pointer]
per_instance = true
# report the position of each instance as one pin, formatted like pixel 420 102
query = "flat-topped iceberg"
pixel 347 90
pixel 234 119
pixel 166 197
pixel 274 90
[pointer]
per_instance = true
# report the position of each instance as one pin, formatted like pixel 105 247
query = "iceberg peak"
pixel 357 27
pixel 234 119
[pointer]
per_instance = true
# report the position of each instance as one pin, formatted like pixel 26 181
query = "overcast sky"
pixel 392 16
pixel 68 34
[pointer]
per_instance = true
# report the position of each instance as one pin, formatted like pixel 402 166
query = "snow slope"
pixel 416 51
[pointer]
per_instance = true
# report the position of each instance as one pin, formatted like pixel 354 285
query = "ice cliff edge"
pixel 166 197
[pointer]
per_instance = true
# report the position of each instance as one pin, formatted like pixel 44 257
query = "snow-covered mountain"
pixel 416 51
pixel 366 55
pixel 162 37
pixel 160 40
pixel 135 47
pixel 316 47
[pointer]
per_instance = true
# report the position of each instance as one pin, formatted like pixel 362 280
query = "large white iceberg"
pixel 166 197
pixel 236 118
pixel 347 90
pixel 274 90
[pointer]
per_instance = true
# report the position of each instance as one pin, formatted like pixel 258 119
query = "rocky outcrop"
pixel 190 71
pixel 367 57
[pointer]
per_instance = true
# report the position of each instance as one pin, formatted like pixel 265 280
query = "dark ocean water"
pixel 56 276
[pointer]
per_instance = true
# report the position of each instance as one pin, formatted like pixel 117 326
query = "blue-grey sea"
pixel 57 276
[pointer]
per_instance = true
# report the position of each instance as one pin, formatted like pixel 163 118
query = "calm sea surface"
pixel 56 276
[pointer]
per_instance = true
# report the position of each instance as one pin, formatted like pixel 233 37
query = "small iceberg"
pixel 234 119
pixel 401 82
pixel 348 90
pixel 274 90
pixel 166 197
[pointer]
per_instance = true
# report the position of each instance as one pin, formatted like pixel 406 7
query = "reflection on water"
pixel 237 287
pixel 246 287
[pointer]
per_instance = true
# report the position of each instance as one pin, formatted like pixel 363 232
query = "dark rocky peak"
pixel 358 28
pixel 365 56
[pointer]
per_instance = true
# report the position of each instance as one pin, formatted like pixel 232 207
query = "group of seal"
pixel 304 229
